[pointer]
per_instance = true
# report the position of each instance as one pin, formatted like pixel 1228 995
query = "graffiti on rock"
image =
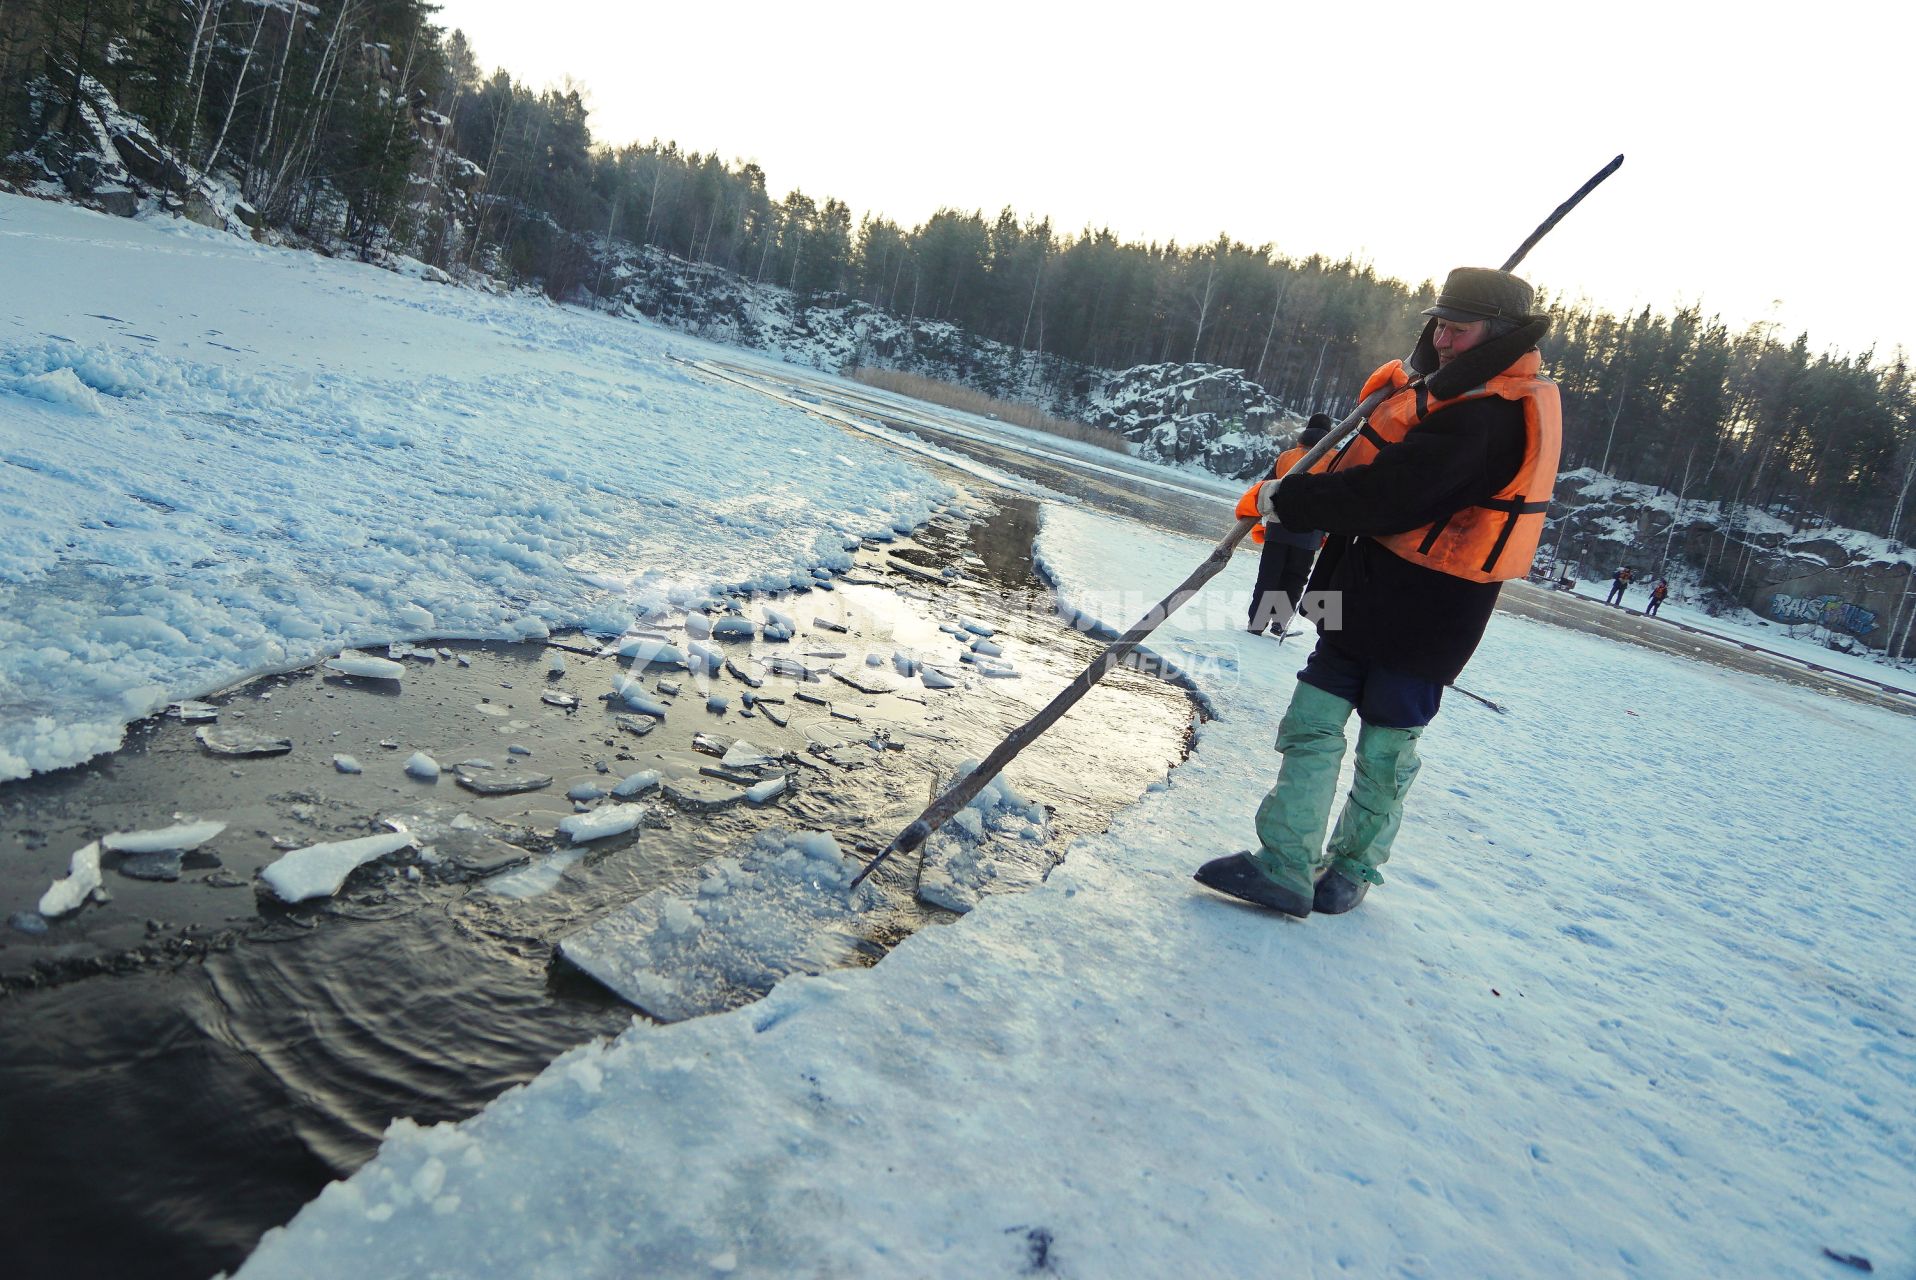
pixel 1828 611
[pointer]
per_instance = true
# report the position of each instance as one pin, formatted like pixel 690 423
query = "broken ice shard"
pixel 184 836
pixel 318 870
pixel 365 666
pixel 743 755
pixel 565 701
pixel 733 627
pixel 503 784
pixel 192 712
pixel 644 650
pixel 765 790
pixel 634 783
pixel 242 742
pixel 422 766
pixel 82 878
pixel 726 939
pixel 612 820
pixel 346 764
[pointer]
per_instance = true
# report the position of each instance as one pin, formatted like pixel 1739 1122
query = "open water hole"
pixel 187 1063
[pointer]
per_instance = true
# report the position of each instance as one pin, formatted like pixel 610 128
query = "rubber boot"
pixel 1292 817
pixel 1387 764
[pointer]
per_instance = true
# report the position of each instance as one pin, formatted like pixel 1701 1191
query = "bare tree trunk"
pixel 1031 305
pixel 1677 516
pixel 605 248
pixel 264 138
pixel 1622 390
pixel 652 205
pixel 232 105
pixel 79 71
pixel 294 148
pixel 1310 397
pixel 1277 304
pixel 1902 495
pixel 1204 305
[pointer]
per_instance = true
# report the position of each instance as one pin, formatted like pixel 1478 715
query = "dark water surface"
pixel 186 1065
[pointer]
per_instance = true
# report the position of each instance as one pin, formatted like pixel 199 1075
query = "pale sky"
pixel 1767 147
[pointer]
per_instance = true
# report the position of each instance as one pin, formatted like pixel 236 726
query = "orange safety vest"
pixel 1497 540
pixel 1247 505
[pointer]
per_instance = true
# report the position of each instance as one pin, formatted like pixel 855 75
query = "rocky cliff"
pixel 1847 581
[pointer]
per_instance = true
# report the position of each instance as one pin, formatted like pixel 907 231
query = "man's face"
pixel 1454 337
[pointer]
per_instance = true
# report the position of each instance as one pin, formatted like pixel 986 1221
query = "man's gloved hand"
pixel 1267 498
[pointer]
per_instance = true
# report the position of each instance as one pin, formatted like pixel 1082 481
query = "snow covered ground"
pixel 217 459
pixel 1634 1001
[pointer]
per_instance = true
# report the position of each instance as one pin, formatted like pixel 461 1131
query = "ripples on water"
pixel 155 1123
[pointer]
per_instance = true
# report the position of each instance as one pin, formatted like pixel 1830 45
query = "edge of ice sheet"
pixel 779 909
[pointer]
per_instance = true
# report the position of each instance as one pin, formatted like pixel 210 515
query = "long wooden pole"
pixel 966 789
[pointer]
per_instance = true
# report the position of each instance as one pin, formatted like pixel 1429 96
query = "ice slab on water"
pixel 993 845
pixel 743 755
pixel 448 832
pixel 318 870
pixel 541 877
pixel 185 835
pixel 644 650
pixel 780 909
pixel 633 692
pixel 82 878
pixel 503 784
pixel 599 824
pixel 242 742
pixel 366 666
pixel 634 783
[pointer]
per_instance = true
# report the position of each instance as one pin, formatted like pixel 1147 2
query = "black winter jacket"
pixel 1395 614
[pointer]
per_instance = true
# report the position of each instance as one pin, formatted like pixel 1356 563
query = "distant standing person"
pixel 1286 561
pixel 1617 586
pixel 1657 593
pixel 1435 504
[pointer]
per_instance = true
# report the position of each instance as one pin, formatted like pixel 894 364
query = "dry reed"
pixel 953 396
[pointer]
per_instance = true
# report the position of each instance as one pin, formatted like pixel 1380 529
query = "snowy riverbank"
pixel 1634 1000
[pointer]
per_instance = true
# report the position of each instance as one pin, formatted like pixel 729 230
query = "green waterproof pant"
pixel 1292 817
